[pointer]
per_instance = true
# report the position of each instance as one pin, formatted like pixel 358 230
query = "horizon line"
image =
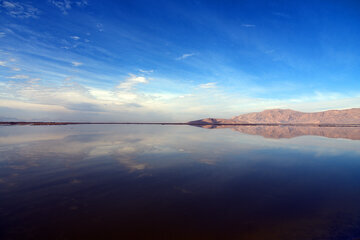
pixel 46 123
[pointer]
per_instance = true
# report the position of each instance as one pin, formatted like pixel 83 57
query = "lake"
pixel 179 182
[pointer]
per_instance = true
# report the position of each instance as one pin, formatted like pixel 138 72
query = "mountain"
pixel 288 116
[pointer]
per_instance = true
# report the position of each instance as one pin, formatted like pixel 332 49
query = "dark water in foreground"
pixel 178 182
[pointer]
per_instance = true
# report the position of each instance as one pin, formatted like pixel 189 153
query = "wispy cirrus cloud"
pixel 75 37
pixel 76 64
pixel 81 3
pixel 146 71
pixel 281 14
pixel 19 76
pixel 66 5
pixel 99 27
pixel 208 85
pixel 5 64
pixel 186 55
pixel 19 10
pixel 2 34
pixel 248 25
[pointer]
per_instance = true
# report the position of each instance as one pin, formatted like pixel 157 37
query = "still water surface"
pixel 179 182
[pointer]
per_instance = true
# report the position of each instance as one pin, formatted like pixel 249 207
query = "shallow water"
pixel 178 182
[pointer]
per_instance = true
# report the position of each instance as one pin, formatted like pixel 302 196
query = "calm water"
pixel 179 182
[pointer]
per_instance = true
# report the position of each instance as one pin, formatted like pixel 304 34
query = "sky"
pixel 132 60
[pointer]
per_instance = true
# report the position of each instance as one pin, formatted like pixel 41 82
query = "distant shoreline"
pixel 167 123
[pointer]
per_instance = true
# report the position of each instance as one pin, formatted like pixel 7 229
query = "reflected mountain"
pixel 277 132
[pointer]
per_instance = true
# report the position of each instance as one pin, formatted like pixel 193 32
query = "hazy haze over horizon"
pixel 175 60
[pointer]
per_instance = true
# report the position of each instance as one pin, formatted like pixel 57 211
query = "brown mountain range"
pixel 288 116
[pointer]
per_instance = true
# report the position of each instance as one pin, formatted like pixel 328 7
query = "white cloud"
pixel 7 4
pixel 34 80
pixel 2 34
pixel 132 81
pixel 125 102
pixel 81 3
pixel 208 85
pixel 146 71
pixel 74 98
pixel 75 37
pixel 103 95
pixel 4 64
pixel 19 77
pixel 248 25
pixel 66 5
pixel 186 55
pixel 76 64
pixel 99 27
pixel 31 106
pixel 19 10
pixel 126 96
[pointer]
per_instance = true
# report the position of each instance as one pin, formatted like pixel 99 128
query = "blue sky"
pixel 175 60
